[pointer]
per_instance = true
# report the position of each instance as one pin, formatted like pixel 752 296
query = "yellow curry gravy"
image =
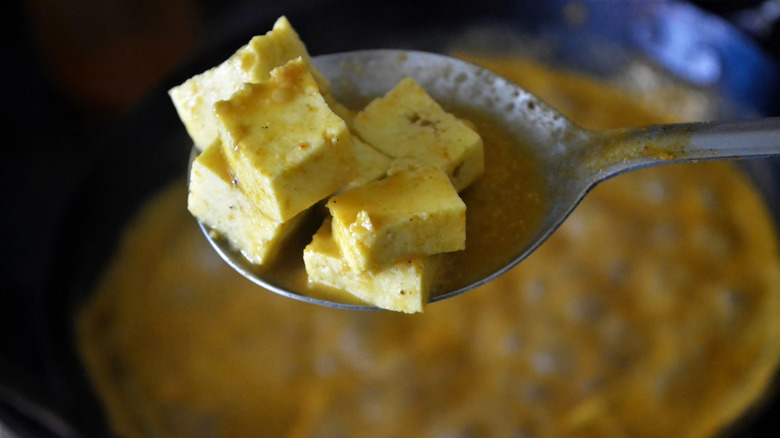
pixel 651 312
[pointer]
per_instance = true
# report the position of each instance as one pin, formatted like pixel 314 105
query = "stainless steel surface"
pixel 574 159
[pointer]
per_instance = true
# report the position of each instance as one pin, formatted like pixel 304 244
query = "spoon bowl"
pixel 573 159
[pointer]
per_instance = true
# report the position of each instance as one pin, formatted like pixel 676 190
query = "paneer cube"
pixel 286 147
pixel 195 98
pixel 413 212
pixel 371 164
pixel 407 123
pixel 404 286
pixel 219 204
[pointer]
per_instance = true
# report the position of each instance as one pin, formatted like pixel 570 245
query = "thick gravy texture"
pixel 651 312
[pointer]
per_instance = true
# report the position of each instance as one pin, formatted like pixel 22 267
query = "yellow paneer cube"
pixel 413 212
pixel 371 164
pixel 195 98
pixel 403 286
pixel 407 123
pixel 287 149
pixel 219 204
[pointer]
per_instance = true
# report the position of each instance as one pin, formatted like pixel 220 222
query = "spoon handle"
pixel 622 150
pixel 737 139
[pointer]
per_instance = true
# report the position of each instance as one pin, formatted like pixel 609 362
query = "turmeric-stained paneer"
pixel 195 98
pixel 285 146
pixel 403 286
pixel 407 123
pixel 371 164
pixel 219 204
pixel 413 212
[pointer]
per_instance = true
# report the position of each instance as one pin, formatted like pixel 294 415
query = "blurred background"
pixel 75 70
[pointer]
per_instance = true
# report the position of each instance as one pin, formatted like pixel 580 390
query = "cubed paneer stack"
pixel 403 286
pixel 413 212
pixel 285 146
pixel 274 142
pixel 195 98
pixel 221 205
pixel 407 123
pixel 216 196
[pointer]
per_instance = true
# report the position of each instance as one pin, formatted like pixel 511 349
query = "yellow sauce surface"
pixel 651 312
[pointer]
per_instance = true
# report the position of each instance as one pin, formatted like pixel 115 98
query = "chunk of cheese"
pixel 219 204
pixel 413 212
pixel 407 123
pixel 195 98
pixel 404 286
pixel 286 147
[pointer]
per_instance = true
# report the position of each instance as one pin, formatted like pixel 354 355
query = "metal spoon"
pixel 574 159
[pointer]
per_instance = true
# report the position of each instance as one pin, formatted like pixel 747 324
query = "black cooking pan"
pixel 150 148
